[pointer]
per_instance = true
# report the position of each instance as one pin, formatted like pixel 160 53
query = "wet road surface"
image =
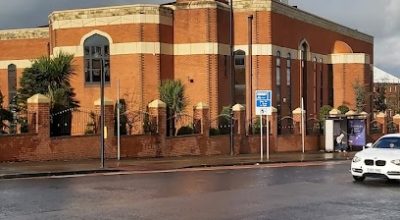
pixel 307 192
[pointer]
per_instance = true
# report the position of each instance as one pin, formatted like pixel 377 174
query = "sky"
pixel 379 18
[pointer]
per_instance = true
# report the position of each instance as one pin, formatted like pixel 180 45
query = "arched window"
pixel 12 83
pixel 288 69
pixel 97 58
pixel 278 78
pixel 321 82
pixel 240 76
pixel 289 79
pixel 315 83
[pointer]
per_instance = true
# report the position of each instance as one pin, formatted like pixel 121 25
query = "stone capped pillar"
pixel 381 118
pixel 274 122
pixel 239 113
pixel 396 121
pixel 201 113
pixel 158 115
pixel 297 120
pixel 350 113
pixel 335 112
pixel 110 146
pixel 39 115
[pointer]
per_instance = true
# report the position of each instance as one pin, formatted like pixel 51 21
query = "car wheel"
pixel 359 178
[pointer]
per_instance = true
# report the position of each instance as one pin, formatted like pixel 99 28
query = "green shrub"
pixel 343 109
pixel 324 112
pixel 185 130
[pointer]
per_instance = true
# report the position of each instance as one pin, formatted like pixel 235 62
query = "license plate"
pixel 373 170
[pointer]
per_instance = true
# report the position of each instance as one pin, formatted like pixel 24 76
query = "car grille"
pixel 380 163
pixel 369 162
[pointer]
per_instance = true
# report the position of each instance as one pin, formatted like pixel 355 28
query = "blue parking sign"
pixel 263 102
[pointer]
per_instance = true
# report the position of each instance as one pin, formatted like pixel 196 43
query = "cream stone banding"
pixel 200 49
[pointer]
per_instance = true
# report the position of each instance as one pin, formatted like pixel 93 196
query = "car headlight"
pixel 357 159
pixel 397 162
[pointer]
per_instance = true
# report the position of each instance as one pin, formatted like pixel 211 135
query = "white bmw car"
pixel 378 160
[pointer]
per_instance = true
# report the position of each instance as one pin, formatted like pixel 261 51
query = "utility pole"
pixel 249 78
pixel 102 114
pixel 232 72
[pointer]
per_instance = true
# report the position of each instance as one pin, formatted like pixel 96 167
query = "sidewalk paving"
pixel 58 168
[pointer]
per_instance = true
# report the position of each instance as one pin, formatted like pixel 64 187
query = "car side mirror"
pixel 369 145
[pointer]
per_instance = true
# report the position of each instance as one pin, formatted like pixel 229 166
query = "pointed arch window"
pixel 12 83
pixel 315 86
pixel 288 69
pixel 240 76
pixel 321 82
pixel 289 80
pixel 278 78
pixel 96 58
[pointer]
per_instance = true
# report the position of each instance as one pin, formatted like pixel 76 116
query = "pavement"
pixel 13 170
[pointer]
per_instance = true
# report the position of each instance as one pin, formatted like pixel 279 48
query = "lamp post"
pixel 232 72
pixel 102 114
pixel 249 78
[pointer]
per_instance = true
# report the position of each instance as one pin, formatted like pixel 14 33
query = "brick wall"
pixel 40 146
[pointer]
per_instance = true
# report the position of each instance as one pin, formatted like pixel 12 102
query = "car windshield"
pixel 392 142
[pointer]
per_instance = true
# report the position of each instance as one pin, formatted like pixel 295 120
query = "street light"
pixel 97 55
pixel 249 78
pixel 232 72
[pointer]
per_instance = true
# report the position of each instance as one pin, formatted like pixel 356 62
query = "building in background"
pixel 391 86
pixel 294 53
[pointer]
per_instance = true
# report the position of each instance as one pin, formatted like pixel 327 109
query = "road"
pixel 324 191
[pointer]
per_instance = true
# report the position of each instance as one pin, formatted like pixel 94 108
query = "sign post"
pixel 264 107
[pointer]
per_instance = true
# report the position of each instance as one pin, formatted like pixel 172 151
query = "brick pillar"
pixel 158 115
pixel 239 113
pixel 201 113
pixel 108 113
pixel 296 121
pixel 274 122
pixel 39 115
pixel 396 121
pixel 381 118
pixel 367 118
pixel 110 144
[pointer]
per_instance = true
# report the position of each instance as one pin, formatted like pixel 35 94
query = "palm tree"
pixel 50 76
pixel 172 93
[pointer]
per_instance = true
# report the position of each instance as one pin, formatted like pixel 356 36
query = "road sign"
pixel 263 102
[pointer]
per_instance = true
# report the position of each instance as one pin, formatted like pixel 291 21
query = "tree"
pixel 379 98
pixel 360 93
pixel 50 76
pixel 5 115
pixel 172 92
pixel 324 113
